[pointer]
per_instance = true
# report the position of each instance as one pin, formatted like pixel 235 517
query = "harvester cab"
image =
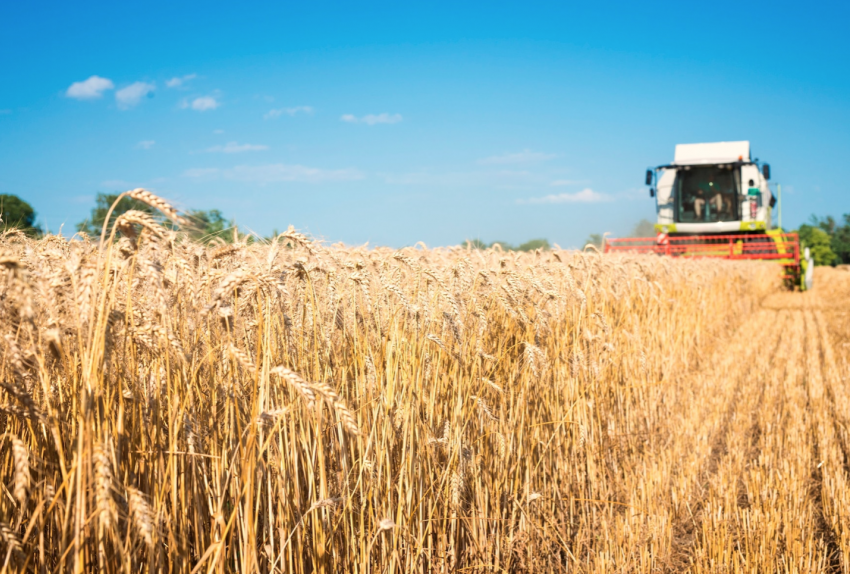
pixel 714 200
pixel 713 188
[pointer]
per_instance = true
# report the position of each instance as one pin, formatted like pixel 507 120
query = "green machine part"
pixel 804 266
pixel 800 279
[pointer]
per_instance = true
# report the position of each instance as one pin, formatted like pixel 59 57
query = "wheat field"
pixel 290 406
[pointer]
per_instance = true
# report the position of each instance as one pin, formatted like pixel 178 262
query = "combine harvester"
pixel 714 201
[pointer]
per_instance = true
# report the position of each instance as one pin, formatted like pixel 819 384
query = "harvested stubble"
pixel 290 407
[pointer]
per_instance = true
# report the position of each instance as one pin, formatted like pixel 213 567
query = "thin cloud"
pixel 416 178
pixel 564 182
pixel 586 195
pixel 276 173
pixel 218 131
pixel 89 89
pixel 524 156
pixel 133 94
pixel 280 172
pixel 198 172
pixel 501 179
pixel 233 147
pixel 272 114
pixel 202 104
pixel 116 184
pixel 181 81
pixel 145 144
pixel 5 112
pixel 372 119
pixel 634 194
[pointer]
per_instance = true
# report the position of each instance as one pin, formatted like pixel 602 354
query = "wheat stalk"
pixel 488 409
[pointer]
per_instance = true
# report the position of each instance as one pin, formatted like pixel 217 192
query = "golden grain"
pixel 170 406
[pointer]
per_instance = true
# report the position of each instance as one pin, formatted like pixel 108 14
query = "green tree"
pixel 207 225
pixel 534 244
pixel 476 244
pixel 818 242
pixel 840 242
pixel 643 228
pixel 530 245
pixel 94 224
pixel 17 213
pixel 594 239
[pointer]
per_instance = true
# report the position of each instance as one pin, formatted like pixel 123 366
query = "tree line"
pixel 827 239
pixel 204 225
pixel 530 245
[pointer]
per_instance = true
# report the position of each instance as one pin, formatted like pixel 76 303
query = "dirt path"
pixel 753 475
pixel 777 498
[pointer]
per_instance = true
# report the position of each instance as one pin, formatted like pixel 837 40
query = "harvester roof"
pixel 711 153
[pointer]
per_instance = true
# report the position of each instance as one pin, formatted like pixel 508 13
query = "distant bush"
pixel 828 241
pixel 644 228
pixel 594 239
pixel 94 224
pixel 531 245
pixel 818 242
pixel 203 226
pixel 17 213
pixel 208 225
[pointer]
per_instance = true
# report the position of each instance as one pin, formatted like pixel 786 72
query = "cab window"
pixel 706 194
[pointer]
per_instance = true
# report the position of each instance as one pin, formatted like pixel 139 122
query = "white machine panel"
pixel 707 153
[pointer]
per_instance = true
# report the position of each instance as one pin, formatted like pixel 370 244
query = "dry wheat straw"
pixel 431 409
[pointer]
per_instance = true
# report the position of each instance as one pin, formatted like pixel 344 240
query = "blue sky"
pixel 395 123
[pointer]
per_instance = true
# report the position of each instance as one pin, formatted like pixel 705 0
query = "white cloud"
pixel 201 104
pixel 372 119
pixel 179 82
pixel 233 147
pixel 145 144
pixel 525 156
pixel 277 173
pixel 89 89
pixel 218 131
pixel 288 111
pixel 586 195
pixel 280 172
pixel 133 94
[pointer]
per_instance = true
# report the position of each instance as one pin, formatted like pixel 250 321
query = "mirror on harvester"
pixel 649 177
pixel 765 170
pixel 651 192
